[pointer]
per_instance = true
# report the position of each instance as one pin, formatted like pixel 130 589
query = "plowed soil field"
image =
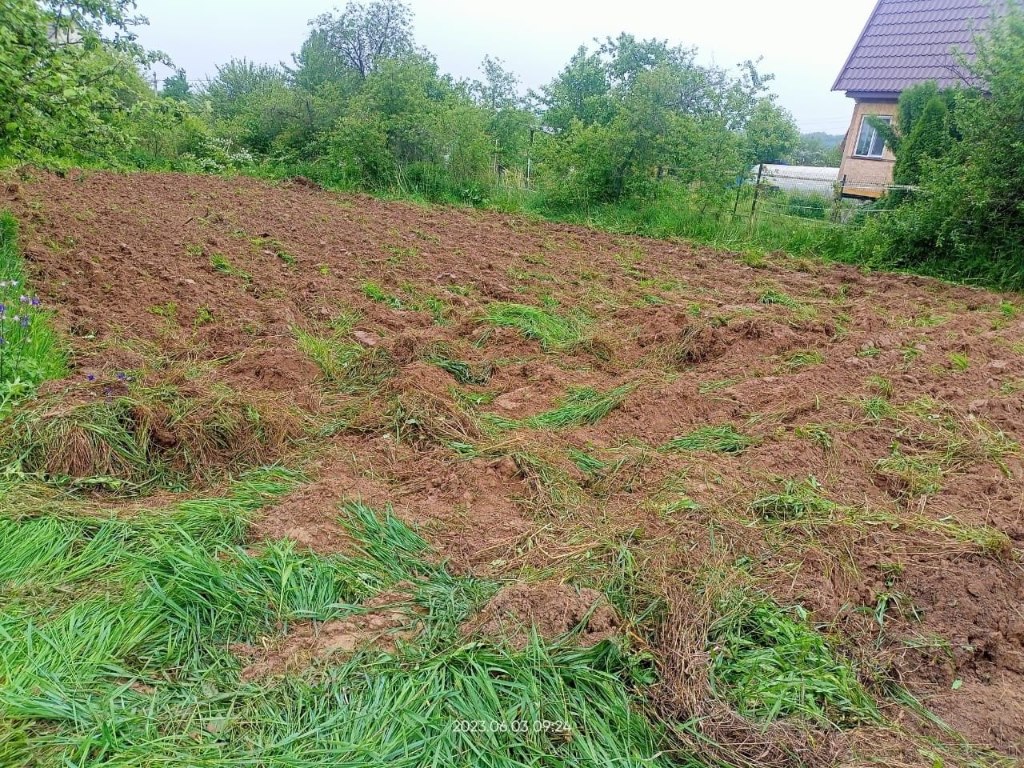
pixel 544 402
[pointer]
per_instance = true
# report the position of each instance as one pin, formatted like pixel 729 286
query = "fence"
pixel 806 192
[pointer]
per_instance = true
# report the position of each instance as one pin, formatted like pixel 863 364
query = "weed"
pixel 804 358
pixel 220 263
pixel 720 439
pixel 348 365
pixel 713 386
pixel 911 475
pixel 772 296
pixel 131 442
pixel 463 372
pixel 797 501
pixel 29 349
pixel 819 434
pixel 877 408
pixel 769 664
pixel 587 464
pixel 684 504
pixel 204 316
pixel 960 361
pixel 881 385
pixel 376 293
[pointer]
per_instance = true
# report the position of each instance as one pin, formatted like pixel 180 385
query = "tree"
pixel 67 71
pixel 177 87
pixel 499 89
pixel 363 35
pixel 771 133
pixel 631 113
pixel 966 220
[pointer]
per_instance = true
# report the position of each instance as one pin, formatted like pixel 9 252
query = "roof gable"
pixel 906 42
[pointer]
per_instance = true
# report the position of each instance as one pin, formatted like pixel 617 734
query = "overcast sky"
pixel 803 42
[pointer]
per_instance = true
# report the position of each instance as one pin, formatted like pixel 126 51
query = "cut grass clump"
pixel 721 439
pixel 464 373
pixel 29 350
pixel 554 332
pixel 772 296
pixel 804 358
pixel 143 438
pixel 770 665
pixel 581 406
pixel 345 364
pixel 798 501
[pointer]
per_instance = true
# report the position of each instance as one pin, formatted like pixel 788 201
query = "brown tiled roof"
pixel 911 41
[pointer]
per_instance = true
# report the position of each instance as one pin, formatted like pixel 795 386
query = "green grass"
pixel 769 664
pixel 801 501
pixel 30 351
pixel 116 637
pixel 142 439
pixel 580 407
pixel 375 292
pixel 222 264
pixel 804 358
pixel 720 439
pixel 345 364
pixel 463 372
pixel 772 296
pixel 553 331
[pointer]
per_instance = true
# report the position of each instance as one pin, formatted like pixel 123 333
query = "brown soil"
pixel 901 396
pixel 552 611
pixel 383 623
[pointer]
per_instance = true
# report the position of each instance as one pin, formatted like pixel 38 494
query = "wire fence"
pixel 809 193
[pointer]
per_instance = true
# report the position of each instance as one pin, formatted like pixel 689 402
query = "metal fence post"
pixel 757 191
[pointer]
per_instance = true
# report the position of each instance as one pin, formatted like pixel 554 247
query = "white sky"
pixel 803 42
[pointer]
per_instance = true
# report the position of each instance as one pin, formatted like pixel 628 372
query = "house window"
pixel 871 143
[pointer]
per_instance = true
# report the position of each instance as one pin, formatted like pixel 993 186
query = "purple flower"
pixel 25 321
pixel 90 377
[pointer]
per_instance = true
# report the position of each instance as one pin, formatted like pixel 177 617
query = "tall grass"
pixel 116 637
pixel 29 350
pixel 674 213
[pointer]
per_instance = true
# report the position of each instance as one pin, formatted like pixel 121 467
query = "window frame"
pixel 864 124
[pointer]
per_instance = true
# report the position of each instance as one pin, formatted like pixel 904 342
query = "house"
pixel 905 42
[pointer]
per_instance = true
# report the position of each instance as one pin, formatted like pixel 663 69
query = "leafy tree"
pixel 318 66
pixel 363 35
pixel 508 122
pixel 771 133
pixel 632 113
pixel 925 129
pixel 967 219
pixel 177 87
pixel 818 149
pixel 581 92
pixel 67 72
pixel 412 128
pixel 499 89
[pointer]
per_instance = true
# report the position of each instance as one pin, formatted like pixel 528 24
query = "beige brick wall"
pixel 866 176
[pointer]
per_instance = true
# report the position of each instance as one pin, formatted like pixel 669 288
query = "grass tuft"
pixel 580 407
pixel 721 439
pixel 770 665
pixel 554 332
